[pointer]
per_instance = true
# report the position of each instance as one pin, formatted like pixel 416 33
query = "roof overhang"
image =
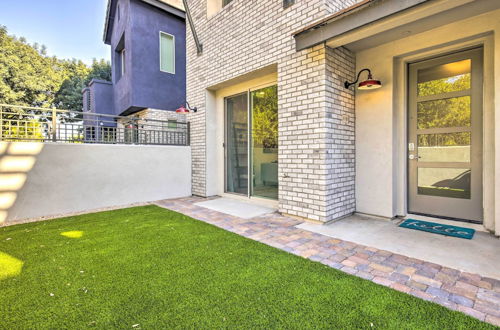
pixel 173 9
pixel 374 22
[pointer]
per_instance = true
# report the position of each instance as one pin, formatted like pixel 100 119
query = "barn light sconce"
pixel 183 109
pixel 369 83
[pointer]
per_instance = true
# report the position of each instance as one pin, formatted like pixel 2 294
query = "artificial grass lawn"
pixel 147 267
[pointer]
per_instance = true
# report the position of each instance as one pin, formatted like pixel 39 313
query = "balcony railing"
pixel 19 123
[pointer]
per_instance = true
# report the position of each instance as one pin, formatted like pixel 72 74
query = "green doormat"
pixel 438 228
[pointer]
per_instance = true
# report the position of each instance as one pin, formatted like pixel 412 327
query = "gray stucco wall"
pixel 101 97
pixel 143 85
pixel 152 88
pixel 52 179
pixel 122 85
pixel 86 99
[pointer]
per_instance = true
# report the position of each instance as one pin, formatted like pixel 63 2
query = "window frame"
pixel 123 56
pixel 174 52
pixel 119 60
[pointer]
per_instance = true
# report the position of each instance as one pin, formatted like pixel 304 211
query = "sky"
pixel 69 28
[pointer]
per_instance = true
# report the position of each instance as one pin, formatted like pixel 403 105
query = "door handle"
pixel 414 157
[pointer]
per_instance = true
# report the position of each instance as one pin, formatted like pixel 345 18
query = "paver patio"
pixel 470 293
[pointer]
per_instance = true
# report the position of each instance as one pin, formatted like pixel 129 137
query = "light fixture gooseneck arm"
pixel 195 109
pixel 199 46
pixel 349 84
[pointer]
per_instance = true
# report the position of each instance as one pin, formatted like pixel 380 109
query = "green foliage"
pixel 152 268
pixel 69 95
pixel 445 85
pixel 444 112
pixel 265 117
pixel 16 128
pixel 31 78
pixel 28 78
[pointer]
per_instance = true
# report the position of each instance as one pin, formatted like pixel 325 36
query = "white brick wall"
pixel 156 114
pixel 340 139
pixel 148 124
pixel 333 6
pixel 316 149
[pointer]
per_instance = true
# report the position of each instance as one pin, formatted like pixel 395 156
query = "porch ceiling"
pixel 376 22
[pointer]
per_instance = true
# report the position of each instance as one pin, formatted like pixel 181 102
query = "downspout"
pixel 199 46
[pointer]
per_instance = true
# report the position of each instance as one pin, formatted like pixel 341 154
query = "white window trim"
pixel 159 50
pixel 122 60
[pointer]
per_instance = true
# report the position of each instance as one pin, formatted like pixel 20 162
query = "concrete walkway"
pixel 236 207
pixel 471 293
pixel 480 255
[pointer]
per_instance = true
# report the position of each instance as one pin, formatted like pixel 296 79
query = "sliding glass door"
pixel 251 143
pixel 264 133
pixel 237 144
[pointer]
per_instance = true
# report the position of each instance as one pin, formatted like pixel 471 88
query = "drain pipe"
pixel 199 46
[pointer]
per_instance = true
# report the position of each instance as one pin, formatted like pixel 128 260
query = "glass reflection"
pixel 444 182
pixel 452 112
pixel 264 111
pixel 445 147
pixel 446 78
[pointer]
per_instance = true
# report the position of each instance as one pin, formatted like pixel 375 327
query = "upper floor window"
pixel 120 59
pixel 214 6
pixel 167 53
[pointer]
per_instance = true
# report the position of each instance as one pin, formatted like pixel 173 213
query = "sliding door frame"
pixel 226 143
pixel 248 92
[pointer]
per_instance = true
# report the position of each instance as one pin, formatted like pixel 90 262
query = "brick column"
pixel 340 124
pixel 316 141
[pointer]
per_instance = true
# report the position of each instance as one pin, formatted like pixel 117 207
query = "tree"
pixel 28 77
pixel 31 78
pixel 100 70
pixel 69 95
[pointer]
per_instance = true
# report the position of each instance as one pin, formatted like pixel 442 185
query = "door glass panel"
pixel 264 111
pixel 237 144
pixel 452 112
pixel 446 147
pixel 444 182
pixel 445 78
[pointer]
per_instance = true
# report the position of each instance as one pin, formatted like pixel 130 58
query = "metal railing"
pixel 19 123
